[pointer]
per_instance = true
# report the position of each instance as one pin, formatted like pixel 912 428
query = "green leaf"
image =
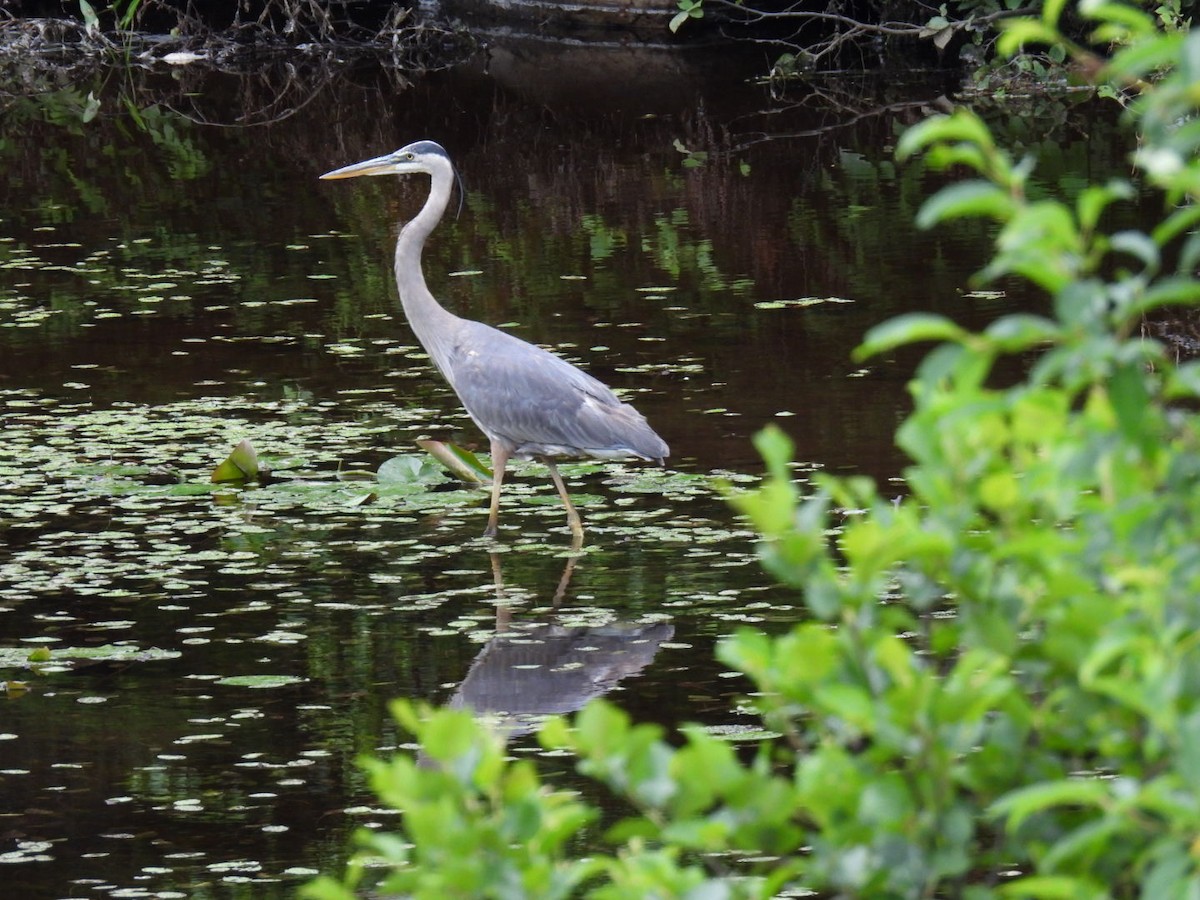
pixel 909 328
pixel 1016 33
pixel 847 702
pixel 409 470
pixel 934 25
pixel 1080 846
pixel 949 156
pixel 91 21
pixel 129 14
pixel 688 9
pixel 1020 804
pixel 776 449
pixel 241 465
pixel 1171 875
pixel 967 198
pixel 1052 11
pixel 463 464
pixel 1130 399
pixel 1175 291
pixel 943 362
pixel 999 491
pixel 1081 303
pixel 325 888
pixel 1181 220
pixel 1093 200
pixel 451 734
pixel 1052 887
pixel 1184 381
pixel 1140 24
pixel 962 125
pixel 1146 57
pixel 1021 331
pixel 886 803
pixel 1138 245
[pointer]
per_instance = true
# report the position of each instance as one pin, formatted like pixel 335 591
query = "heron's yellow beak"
pixel 380 165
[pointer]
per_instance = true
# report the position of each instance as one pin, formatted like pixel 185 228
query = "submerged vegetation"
pixel 995 694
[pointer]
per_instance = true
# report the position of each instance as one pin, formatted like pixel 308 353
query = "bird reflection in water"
pixel 533 669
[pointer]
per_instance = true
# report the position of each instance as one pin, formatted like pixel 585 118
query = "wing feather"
pixel 539 404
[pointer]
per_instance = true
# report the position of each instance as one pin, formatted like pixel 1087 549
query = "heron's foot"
pixel 491 531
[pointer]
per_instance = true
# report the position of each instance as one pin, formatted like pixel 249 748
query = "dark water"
pixel 175 279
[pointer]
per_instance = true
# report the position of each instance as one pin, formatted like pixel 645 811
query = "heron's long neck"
pixel 431 322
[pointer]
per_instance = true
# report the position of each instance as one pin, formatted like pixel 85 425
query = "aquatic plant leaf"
pixel 799 301
pixel 260 681
pixel 408 469
pixel 662 482
pixel 240 465
pixel 22 657
pixel 356 475
pixel 462 464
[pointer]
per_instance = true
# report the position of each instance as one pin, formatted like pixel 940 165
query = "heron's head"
pixel 420 156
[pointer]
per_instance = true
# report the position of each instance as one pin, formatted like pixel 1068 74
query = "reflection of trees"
pixel 268 95
pixel 533 669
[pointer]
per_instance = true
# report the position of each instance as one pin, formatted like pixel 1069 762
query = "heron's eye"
pixel 409 156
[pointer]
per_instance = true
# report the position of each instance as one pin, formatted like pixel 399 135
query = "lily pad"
pixel 408 469
pixel 21 657
pixel 260 681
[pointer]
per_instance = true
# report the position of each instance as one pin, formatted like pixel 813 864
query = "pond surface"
pixel 191 671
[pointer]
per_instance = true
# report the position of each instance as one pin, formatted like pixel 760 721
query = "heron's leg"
pixel 565 581
pixel 572 516
pixel 503 607
pixel 499 463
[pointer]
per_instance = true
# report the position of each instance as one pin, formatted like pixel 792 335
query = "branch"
pixel 890 28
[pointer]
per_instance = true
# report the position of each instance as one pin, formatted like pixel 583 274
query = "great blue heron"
pixel 530 403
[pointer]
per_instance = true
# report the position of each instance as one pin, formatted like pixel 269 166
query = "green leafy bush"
pixel 998 690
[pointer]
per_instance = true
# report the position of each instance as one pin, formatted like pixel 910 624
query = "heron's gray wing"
pixel 531 398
